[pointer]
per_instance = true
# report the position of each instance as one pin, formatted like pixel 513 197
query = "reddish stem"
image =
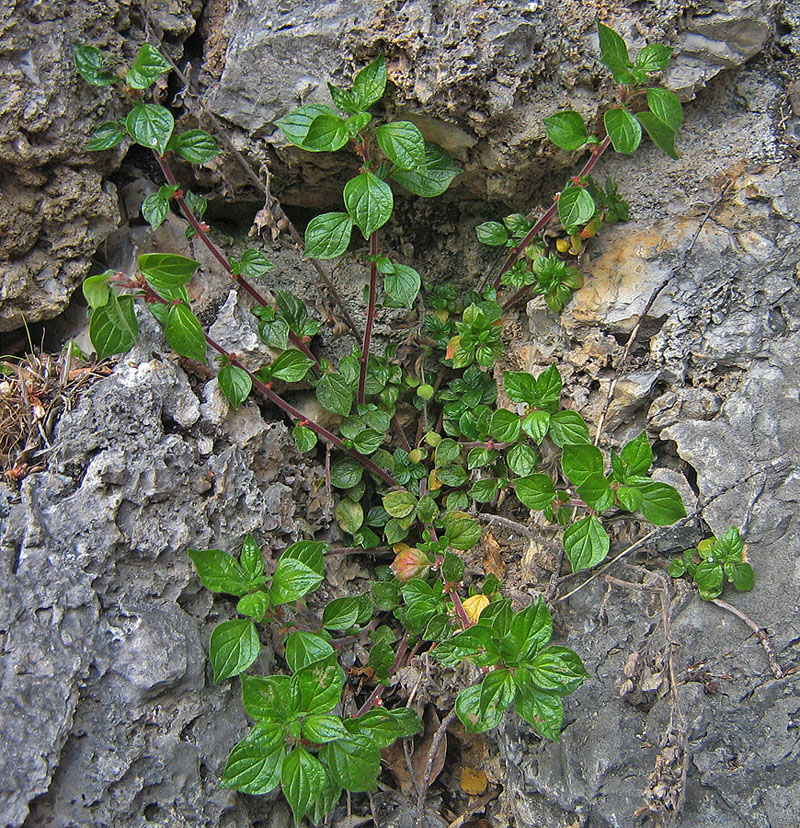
pixel 542 222
pixel 461 612
pixel 198 228
pixel 266 390
pixel 376 694
pixel 373 286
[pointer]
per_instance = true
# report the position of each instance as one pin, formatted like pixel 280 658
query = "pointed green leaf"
pixel 296 124
pixel 254 765
pixel 369 202
pixel 291 366
pixel 666 106
pixel 402 286
pixel 559 669
pixel 334 394
pixel 196 146
pixel 661 504
pixel 89 61
pixel 566 130
pixel 354 762
pixel 660 134
pixel 433 177
pixel 568 428
pixel 637 456
pixel 184 333
pixel 403 144
pixel 302 779
pixel 614 53
pixel 149 64
pixel 328 235
pixel 234 647
pixel 165 271
pixel 235 383
pixel 492 233
pixel 654 57
pixel 468 710
pixel 586 543
pixel 108 135
pixel 220 572
pixel 151 126
pixel 326 133
pixel 575 207
pixel 96 290
pixel 370 83
pixel 113 328
pixel 623 129
pixel 536 491
pixel 543 710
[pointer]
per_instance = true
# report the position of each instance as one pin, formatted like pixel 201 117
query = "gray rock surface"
pixel 56 209
pixel 108 715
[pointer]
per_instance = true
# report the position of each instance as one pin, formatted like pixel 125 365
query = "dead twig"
pixel 766 643
pixel 426 779
pixel 473 809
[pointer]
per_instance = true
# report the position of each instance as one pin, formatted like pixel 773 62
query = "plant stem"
pixel 462 613
pixel 266 390
pixel 197 226
pixel 543 221
pixel 376 694
pixel 373 284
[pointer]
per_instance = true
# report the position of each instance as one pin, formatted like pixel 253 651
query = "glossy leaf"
pixel 431 178
pixel 234 647
pixel 575 207
pixel 369 202
pixel 661 504
pixel 254 764
pixel 660 134
pixel 195 146
pixel 302 779
pixel 354 762
pixel 586 543
pixel 403 144
pixel 623 129
pixel 151 126
pixel 113 328
pixel 334 394
pixel 184 333
pixel 328 235
pixel 326 133
pixel 147 67
pixel 566 130
pixel 370 83
pixel 235 383
pixel 220 572
pixel 666 106
pixel 536 491
pixel 108 135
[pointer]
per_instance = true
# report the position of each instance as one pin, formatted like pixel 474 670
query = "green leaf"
pixel 660 134
pixel 354 762
pixel 637 456
pixel 325 800
pixel 654 57
pixel 661 504
pixel 484 490
pixel 149 64
pixel 433 177
pixel 326 133
pixel 566 130
pixel 367 441
pixel 741 574
pixel 497 693
pixel 453 476
pixel 151 126
pixel 401 286
pixel 357 122
pixel 575 207
pixel 304 438
pixel 302 779
pixel 399 504
pixel 195 146
pixel 629 498
pixel 321 686
pixel 623 129
pixel 254 765
pixel 370 83
pixel 343 99
pixel 309 553
pixel 468 710
pixel 544 711
pixel 708 576
pixel 614 54
pixel 220 572
pixel 254 604
pixel 235 383
pixel 292 581
pixel 666 106
pixel 346 473
pixel 251 559
pixel 343 613
pixel 383 726
pixel 271 698
pixel 113 328
pixel 304 648
pixel 321 729
pixel 521 459
pixel 536 491
pixel 447 452
pixel 96 290
pixel 349 514
pixel 579 461
pixel 107 136
pixel 568 428
pixel 155 210
pixel 536 425
pixel 559 669
pixel 291 366
pixel 328 235
pixel 184 333
pixel 166 271
pixel 586 543
pixel 234 647
pixel 334 394
pixel 677 567
pixel 452 568
pixel 403 144
pixel 89 62
pixel 462 530
pixel 295 125
pixel 596 492
pixel 504 426
pixel 729 547
pixel 548 386
pixel 369 202
pixel 531 629
pixel 492 233
pixel 252 265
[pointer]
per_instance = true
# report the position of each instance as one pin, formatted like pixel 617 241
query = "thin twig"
pixel 473 809
pixel 426 779
pixel 647 308
pixel 766 643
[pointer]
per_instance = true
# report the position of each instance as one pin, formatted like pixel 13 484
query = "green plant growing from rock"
pixel 413 489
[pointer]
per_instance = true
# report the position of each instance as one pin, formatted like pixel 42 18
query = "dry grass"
pixel 34 391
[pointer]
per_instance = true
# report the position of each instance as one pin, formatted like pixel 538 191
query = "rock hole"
pixel 152 812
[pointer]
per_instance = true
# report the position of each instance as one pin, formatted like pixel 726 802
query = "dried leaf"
pixel 473 781
pixel 492 561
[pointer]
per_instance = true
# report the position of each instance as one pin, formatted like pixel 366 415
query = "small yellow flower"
pixel 474 606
